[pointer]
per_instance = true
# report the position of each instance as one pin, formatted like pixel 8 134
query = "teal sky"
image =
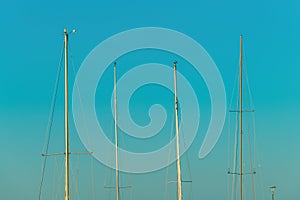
pixel 31 42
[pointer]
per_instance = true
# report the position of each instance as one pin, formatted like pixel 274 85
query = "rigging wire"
pixel 235 151
pixel 108 174
pixel 251 132
pixel 84 119
pixel 127 176
pixel 187 160
pixel 75 175
pixel 54 180
pixel 108 171
pixel 188 166
pixel 79 95
pixel 49 125
pixel 251 146
pixel 235 137
pixel 59 178
pixel 49 130
pixel 250 105
pixel 253 125
pixel 122 182
pixel 166 196
pixel 92 176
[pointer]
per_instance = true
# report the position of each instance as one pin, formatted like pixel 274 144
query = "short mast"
pixel 179 185
pixel 241 118
pixel 273 191
pixel 116 131
pixel 66 118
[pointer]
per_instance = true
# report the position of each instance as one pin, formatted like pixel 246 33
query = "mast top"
pixel 66 32
pixel 175 63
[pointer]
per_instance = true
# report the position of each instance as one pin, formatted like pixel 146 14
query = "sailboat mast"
pixel 179 190
pixel 66 118
pixel 241 118
pixel 116 131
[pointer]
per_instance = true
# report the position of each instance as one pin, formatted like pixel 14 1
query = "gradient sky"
pixel 31 43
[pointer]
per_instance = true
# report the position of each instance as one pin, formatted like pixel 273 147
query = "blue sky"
pixel 31 41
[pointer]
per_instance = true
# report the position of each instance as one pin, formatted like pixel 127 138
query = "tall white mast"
pixel 66 118
pixel 241 118
pixel 179 190
pixel 116 131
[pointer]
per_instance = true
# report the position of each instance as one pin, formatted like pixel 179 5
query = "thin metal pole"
pixel 66 118
pixel 241 118
pixel 179 185
pixel 116 131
